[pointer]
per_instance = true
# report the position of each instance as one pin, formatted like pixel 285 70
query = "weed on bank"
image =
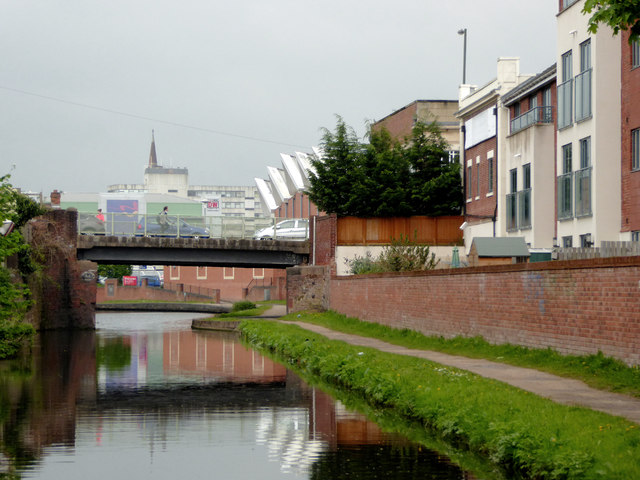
pixel 525 435
pixel 597 371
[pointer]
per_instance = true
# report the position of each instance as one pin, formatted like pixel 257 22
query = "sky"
pixel 228 86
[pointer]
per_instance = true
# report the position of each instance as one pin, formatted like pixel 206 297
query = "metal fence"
pixel 184 226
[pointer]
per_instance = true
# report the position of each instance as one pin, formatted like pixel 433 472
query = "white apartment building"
pixel 588 137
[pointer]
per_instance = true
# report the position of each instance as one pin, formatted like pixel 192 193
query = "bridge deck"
pixel 194 252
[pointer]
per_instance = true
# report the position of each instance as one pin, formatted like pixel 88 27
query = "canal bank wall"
pixel 574 307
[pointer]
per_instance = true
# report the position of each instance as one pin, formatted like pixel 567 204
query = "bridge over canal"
pixel 215 252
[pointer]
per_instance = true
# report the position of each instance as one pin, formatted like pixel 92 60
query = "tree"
pixel 618 14
pixel 384 177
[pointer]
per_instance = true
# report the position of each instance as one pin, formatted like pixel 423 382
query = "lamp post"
pixel 463 31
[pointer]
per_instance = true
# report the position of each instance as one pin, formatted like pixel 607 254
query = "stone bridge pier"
pixel 64 291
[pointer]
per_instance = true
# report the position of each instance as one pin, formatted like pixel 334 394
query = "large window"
pixel 635 54
pixel 512 201
pixel 635 149
pixel 583 83
pixel 524 198
pixel 565 92
pixel 469 195
pixel 583 179
pixel 565 184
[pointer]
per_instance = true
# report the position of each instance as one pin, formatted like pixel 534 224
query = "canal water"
pixel 144 396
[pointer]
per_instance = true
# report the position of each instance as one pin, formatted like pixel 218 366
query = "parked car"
pixel 88 224
pixel 149 226
pixel 291 229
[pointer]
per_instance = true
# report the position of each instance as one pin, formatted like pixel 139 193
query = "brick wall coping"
pixel 609 262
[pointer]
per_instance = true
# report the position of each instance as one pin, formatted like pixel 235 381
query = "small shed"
pixel 498 251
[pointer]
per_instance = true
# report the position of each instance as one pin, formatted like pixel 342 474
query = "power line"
pixel 142 117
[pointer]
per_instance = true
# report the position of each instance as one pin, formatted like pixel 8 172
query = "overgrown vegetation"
pixel 402 255
pixel 114 271
pixel 597 370
pixel 242 305
pixel 525 435
pixel 15 297
pixel 386 177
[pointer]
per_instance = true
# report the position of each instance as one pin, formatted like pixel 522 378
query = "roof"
pixel 526 87
pixel 500 246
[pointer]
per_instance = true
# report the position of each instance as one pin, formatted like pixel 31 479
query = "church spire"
pixel 153 160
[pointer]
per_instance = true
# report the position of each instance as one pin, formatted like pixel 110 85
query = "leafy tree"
pixel 618 14
pixel 114 271
pixel 383 177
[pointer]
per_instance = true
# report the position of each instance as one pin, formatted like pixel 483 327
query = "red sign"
pixel 129 281
pixel 212 204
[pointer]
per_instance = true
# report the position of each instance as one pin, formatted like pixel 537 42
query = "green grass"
pixel 596 371
pixel 251 312
pixel 525 435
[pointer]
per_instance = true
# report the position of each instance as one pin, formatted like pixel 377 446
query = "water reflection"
pixel 146 397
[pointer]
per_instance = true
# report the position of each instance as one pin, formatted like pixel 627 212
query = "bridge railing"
pixel 184 226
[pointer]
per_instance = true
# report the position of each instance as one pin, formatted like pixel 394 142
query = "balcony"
pixel 512 212
pixel 535 116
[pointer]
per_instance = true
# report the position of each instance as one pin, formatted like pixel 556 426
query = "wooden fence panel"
pixel 380 231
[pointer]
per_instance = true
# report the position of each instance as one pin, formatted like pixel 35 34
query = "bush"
pixel 243 305
pixel 402 255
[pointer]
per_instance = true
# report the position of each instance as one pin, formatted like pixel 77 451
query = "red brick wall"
pixel 233 283
pixel 483 205
pixel 400 123
pixel 323 239
pixel 577 307
pixel 297 206
pixel 112 291
pixel 630 121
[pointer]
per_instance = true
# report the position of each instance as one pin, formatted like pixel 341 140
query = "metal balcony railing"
pixel 536 115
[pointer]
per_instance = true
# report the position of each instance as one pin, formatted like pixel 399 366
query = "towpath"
pixel 559 389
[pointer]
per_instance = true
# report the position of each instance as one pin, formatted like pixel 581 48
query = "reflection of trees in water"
pixel 114 354
pixel 38 397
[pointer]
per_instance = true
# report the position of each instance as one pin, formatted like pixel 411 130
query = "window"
pixel 567 242
pixel 512 201
pixel 174 272
pixel 546 97
pixel 477 179
pixel 565 185
pixel 583 83
pixel 565 92
pixel 533 102
pixel 228 273
pixel 635 149
pixel 201 273
pixel 513 180
pixel 585 241
pixel 526 176
pixel 585 55
pixel 490 175
pixel 567 3
pixel 524 198
pixel 516 109
pixel 258 273
pixel 635 54
pixel 635 236
pixel 567 66
pixel 469 182
pixel 583 179
pixel 566 159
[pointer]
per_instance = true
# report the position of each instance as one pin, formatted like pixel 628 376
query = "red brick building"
pixel 630 121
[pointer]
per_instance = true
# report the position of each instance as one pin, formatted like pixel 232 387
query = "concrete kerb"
pixel 561 390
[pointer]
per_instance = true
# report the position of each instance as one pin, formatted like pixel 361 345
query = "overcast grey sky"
pixel 229 85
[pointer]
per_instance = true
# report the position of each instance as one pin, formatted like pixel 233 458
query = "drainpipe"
pixel 495 211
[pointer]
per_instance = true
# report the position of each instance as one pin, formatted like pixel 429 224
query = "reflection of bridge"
pixel 196 252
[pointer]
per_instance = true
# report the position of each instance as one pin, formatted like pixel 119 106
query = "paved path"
pixel 558 389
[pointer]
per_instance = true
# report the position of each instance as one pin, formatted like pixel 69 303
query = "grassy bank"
pixel 597 371
pixel 521 433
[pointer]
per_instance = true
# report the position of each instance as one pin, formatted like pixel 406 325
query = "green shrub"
pixel 402 255
pixel 243 305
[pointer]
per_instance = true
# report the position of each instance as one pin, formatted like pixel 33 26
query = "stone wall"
pixel 307 288
pixel 64 291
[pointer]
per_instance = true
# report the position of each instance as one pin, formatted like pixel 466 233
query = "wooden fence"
pixel 381 231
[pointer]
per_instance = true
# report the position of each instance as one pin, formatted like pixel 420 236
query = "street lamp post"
pixel 463 32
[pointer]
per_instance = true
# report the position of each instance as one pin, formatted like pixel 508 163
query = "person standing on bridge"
pixel 100 215
pixel 163 219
